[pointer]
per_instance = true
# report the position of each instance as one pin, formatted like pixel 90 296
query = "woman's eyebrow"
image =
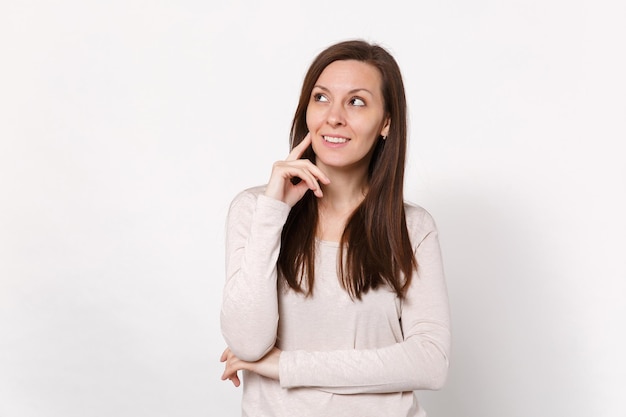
pixel 353 91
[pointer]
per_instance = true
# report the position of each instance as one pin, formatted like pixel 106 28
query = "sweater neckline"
pixel 327 243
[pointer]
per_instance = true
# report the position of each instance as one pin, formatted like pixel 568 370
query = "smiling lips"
pixel 333 139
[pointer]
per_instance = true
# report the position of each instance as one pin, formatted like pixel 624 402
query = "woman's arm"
pixel 420 361
pixel 249 315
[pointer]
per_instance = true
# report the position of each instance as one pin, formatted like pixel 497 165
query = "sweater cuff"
pixel 272 208
pixel 286 369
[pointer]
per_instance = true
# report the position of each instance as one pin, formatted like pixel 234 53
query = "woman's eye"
pixel 357 102
pixel 320 97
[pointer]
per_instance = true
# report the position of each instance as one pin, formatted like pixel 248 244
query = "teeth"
pixel 335 140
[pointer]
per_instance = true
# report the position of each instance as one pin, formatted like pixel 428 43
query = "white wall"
pixel 127 126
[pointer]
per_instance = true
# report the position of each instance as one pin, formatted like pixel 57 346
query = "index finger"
pixel 299 149
pixel 224 355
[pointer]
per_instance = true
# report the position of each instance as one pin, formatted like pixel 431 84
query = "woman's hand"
pixel 280 185
pixel 267 366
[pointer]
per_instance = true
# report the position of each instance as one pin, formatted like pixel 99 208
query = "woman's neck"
pixel 341 197
pixel 347 186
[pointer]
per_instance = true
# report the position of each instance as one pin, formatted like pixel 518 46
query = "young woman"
pixel 335 302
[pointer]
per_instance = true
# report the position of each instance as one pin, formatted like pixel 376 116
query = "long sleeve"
pixel 418 361
pixel 249 314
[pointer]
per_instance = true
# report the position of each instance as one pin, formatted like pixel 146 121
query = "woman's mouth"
pixel 334 139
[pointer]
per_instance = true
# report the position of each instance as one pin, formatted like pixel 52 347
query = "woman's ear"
pixel 385 130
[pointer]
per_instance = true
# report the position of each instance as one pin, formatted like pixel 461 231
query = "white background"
pixel 126 127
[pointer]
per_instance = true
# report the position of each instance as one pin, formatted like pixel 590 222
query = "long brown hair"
pixel 375 245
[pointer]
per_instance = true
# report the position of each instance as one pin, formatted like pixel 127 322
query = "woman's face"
pixel 346 115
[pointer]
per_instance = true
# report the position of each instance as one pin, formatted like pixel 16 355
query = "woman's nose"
pixel 336 116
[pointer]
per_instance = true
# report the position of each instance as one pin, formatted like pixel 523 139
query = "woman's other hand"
pixel 267 366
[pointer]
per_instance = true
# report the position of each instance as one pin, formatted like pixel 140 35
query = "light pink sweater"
pixel 339 357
